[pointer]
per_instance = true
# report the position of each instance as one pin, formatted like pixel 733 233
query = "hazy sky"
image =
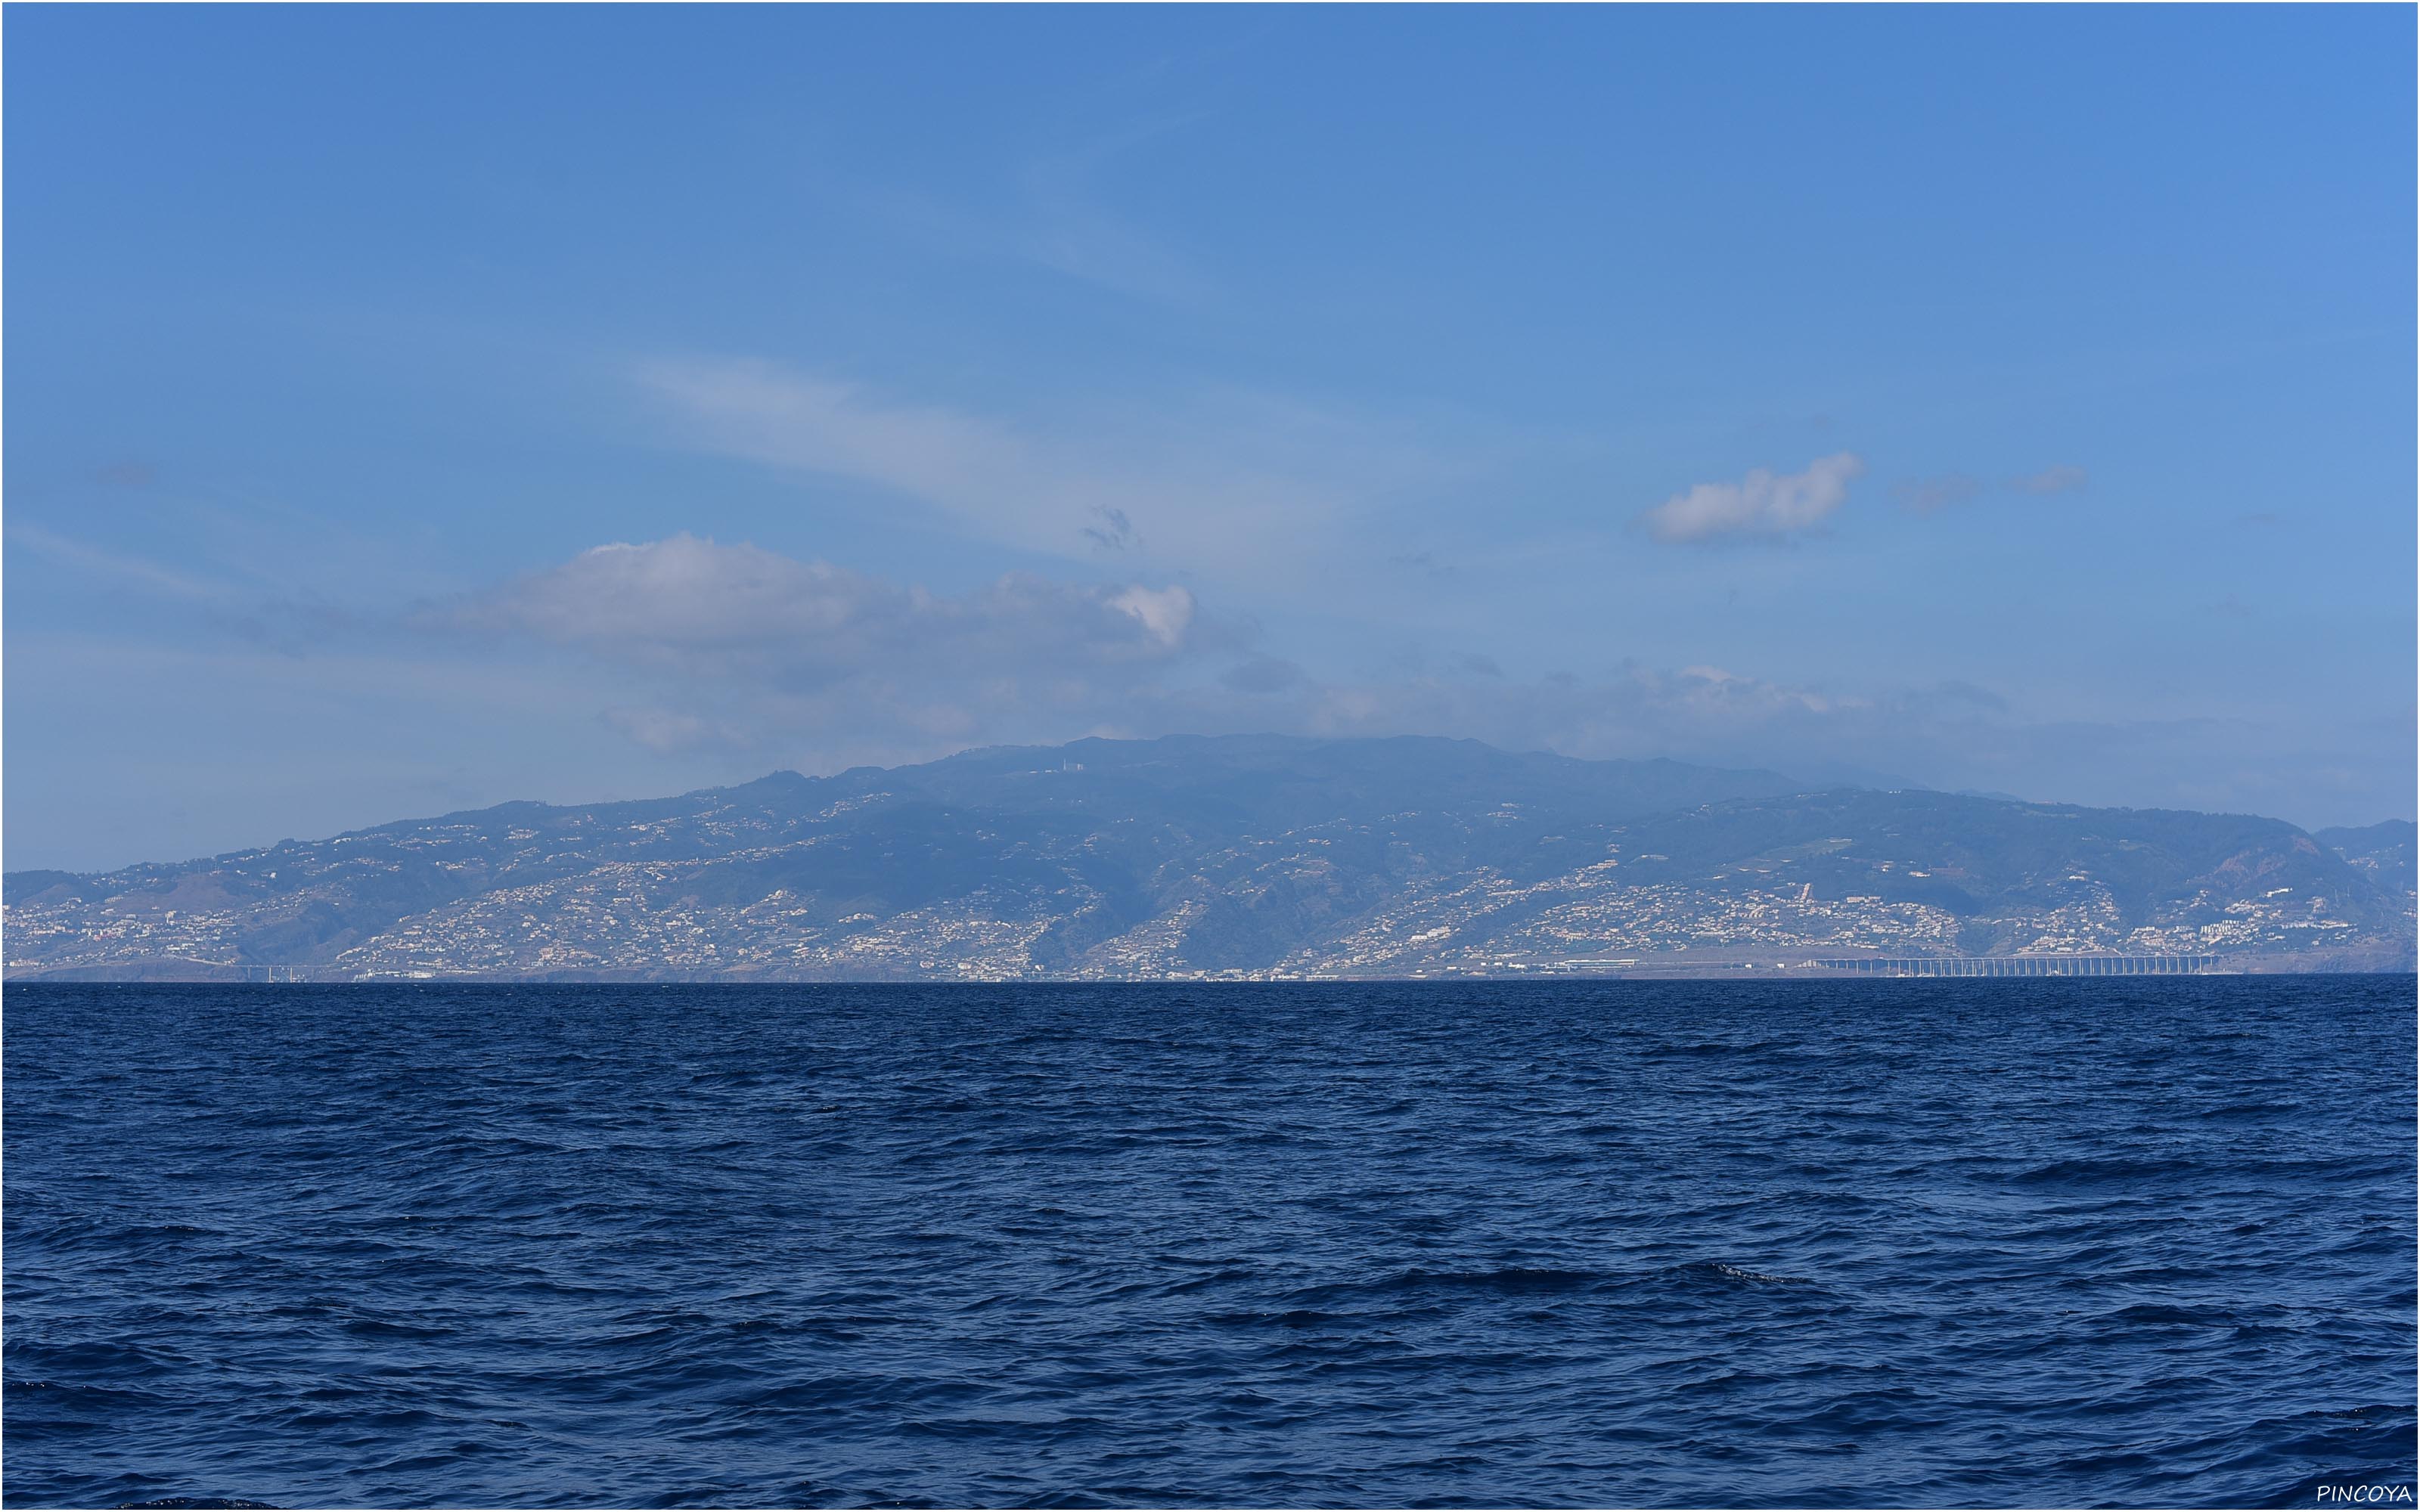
pixel 416 408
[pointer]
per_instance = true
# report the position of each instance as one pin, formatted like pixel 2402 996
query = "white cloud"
pixel 742 614
pixel 1761 503
pixel 1166 612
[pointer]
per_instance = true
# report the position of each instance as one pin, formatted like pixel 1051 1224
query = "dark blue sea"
pixel 2131 1242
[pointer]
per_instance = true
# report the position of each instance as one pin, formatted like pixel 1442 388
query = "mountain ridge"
pixel 1256 855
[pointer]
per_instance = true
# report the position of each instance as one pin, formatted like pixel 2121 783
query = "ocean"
pixel 2125 1241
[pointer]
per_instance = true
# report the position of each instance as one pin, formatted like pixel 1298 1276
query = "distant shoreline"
pixel 1975 968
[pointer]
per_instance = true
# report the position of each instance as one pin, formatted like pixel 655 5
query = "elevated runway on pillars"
pixel 2022 966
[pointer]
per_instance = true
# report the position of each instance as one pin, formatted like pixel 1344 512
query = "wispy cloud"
pixel 1927 495
pixel 1065 224
pixel 150 576
pixel 1115 533
pixel 1237 481
pixel 1262 675
pixel 669 732
pixel 1055 209
pixel 1760 504
pixel 1949 735
pixel 2051 480
pixel 127 475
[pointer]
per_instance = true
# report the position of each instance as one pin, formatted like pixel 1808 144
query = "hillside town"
pixel 644 918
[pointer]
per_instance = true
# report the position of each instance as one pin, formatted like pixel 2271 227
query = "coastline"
pixel 1708 966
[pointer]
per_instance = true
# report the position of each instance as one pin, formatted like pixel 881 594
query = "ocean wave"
pixel 1661 1245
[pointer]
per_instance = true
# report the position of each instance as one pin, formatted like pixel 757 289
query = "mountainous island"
pixel 1242 858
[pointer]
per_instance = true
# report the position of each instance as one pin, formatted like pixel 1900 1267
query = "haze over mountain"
pixel 1233 855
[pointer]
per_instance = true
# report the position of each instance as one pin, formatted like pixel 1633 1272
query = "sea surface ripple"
pixel 1981 1243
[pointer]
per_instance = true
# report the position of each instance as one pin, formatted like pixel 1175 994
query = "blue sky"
pixel 411 408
